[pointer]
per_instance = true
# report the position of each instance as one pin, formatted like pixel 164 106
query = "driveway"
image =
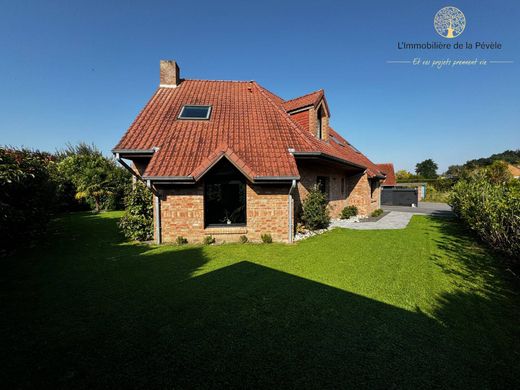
pixel 426 208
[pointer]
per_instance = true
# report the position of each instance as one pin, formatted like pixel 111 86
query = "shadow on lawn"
pixel 132 318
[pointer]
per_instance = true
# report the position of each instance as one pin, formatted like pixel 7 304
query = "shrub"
pixel 267 239
pixel 376 213
pixel 180 240
pixel 349 211
pixel 208 240
pixel 27 197
pixel 137 221
pixel 243 239
pixel 491 208
pixel 315 214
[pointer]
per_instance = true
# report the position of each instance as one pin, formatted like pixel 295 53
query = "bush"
pixel 27 197
pixel 137 221
pixel 243 239
pixel 349 211
pixel 208 240
pixel 489 204
pixel 180 240
pixel 376 213
pixel 267 239
pixel 315 214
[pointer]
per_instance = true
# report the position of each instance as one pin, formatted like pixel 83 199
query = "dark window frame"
pixel 373 187
pixel 188 106
pixel 319 132
pixel 225 197
pixel 323 183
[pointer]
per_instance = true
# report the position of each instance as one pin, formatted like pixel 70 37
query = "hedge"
pixel 491 209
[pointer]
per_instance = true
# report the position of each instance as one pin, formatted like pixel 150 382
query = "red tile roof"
pixel 311 99
pixel 388 170
pixel 248 124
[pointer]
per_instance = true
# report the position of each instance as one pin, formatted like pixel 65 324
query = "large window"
pixel 224 196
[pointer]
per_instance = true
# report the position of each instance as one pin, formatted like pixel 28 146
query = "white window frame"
pixel 192 118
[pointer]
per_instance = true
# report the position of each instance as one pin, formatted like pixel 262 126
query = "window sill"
pixel 226 229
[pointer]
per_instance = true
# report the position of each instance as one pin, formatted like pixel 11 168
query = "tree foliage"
pixel 509 156
pixel 403 175
pixel 97 179
pixel 137 221
pixel 427 169
pixel 315 214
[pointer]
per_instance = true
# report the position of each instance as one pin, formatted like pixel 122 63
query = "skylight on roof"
pixel 195 112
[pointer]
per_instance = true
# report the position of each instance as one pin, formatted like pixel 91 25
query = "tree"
pixel 497 172
pixel 95 177
pixel 427 169
pixel 454 171
pixel 404 175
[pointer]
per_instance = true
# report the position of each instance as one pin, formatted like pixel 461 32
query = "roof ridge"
pixel 302 96
pixel 222 81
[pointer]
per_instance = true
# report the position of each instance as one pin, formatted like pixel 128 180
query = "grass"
pixel 423 307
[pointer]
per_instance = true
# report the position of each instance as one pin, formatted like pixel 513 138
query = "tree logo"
pixel 449 22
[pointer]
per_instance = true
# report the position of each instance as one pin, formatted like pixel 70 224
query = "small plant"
pixel 376 213
pixel 181 240
pixel 208 240
pixel 315 213
pixel 349 211
pixel 267 239
pixel 243 239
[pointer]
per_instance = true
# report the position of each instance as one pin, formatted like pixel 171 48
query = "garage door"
pixel 399 196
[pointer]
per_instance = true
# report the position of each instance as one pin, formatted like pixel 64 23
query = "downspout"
pixel 157 209
pixel 290 202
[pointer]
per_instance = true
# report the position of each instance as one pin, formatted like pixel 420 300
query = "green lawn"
pixel 422 307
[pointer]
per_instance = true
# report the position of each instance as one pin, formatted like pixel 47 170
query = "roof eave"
pixel 326 157
pixel 193 180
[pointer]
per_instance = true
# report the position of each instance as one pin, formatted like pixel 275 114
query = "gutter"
pixel 290 205
pixel 128 167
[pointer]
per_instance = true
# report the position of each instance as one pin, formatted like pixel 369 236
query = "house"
pixel 230 158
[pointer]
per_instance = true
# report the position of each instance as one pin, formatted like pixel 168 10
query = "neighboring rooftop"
pixel 388 170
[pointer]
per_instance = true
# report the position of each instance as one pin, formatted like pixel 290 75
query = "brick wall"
pixel 182 214
pixel 361 196
pixel 355 190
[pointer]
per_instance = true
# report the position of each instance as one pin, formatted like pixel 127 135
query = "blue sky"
pixel 81 70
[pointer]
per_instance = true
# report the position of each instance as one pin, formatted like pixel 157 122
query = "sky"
pixel 75 71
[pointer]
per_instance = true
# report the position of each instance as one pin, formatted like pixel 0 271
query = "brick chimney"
pixel 169 74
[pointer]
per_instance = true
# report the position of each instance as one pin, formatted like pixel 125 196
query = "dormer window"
pixel 195 112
